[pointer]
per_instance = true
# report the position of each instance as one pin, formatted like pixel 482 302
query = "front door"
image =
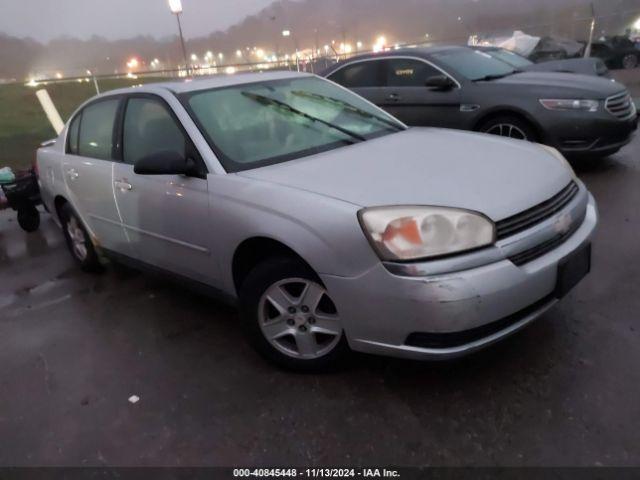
pixel 165 217
pixel 406 96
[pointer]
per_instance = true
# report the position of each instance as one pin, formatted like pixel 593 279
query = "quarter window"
pixel 96 129
pixel 148 129
pixel 401 72
pixel 72 136
pixel 359 75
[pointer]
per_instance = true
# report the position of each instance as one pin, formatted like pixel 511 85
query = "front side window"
pixel 401 72
pixel 95 139
pixel 149 129
pixel 269 122
pixel 359 75
pixel 472 64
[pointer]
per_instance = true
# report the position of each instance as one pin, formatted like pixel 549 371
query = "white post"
pixel 50 110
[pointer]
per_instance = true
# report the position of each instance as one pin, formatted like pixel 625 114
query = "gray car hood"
pixel 567 83
pixel 428 166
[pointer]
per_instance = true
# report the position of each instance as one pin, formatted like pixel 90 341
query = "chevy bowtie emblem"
pixel 563 223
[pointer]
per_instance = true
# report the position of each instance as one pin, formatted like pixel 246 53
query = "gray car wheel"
pixel 630 61
pixel 290 317
pixel 510 127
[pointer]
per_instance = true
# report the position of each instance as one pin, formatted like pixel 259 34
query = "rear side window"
pixel 149 128
pixel 362 74
pixel 72 136
pixel 406 72
pixel 96 129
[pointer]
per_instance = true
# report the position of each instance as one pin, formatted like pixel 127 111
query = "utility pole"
pixel 587 50
pixel 176 8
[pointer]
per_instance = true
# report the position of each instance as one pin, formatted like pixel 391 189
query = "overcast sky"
pixel 46 19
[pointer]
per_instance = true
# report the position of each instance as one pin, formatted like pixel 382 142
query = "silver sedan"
pixel 329 222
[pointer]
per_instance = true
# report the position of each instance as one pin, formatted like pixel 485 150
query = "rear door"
pixel 363 77
pixel 165 216
pixel 406 96
pixel 88 168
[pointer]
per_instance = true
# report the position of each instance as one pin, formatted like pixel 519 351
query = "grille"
pixel 545 247
pixel 621 106
pixel 527 219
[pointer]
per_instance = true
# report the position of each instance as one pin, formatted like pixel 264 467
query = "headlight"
pixel 558 156
pixel 574 105
pixel 410 233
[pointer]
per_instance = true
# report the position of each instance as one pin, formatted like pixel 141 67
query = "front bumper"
pixel 579 135
pixel 380 310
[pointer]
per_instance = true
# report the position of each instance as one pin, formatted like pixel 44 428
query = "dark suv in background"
pixel 458 87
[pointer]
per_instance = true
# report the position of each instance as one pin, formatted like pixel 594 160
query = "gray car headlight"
pixel 411 233
pixel 571 105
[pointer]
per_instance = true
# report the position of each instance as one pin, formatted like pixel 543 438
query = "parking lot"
pixel 75 347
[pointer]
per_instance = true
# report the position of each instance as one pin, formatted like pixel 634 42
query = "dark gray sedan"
pixel 458 87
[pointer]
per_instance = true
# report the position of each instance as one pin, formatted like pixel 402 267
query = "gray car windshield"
pixel 511 58
pixel 473 64
pixel 258 124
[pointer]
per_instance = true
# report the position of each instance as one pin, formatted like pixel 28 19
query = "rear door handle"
pixel 394 97
pixel 123 186
pixel 72 174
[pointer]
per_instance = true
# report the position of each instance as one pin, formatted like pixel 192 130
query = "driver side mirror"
pixel 440 83
pixel 166 162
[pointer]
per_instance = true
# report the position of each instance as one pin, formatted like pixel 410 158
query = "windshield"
pixel 474 65
pixel 257 124
pixel 511 58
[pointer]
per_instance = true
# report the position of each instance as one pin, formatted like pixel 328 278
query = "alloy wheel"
pixel 299 319
pixel 630 61
pixel 78 242
pixel 507 130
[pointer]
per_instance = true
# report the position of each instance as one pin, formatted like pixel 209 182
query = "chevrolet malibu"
pixel 331 224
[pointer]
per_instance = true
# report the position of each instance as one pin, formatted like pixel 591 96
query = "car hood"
pixel 564 83
pixel 427 166
pixel 584 66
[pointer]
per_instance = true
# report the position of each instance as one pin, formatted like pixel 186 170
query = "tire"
pixel 29 218
pixel 510 126
pixel 630 61
pixel 78 241
pixel 302 337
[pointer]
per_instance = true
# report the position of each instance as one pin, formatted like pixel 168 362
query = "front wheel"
pixel 630 61
pixel 290 318
pixel 509 126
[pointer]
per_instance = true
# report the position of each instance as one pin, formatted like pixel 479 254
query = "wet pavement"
pixel 74 347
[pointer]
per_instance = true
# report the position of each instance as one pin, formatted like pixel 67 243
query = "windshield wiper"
pixel 347 106
pixel 264 100
pixel 488 78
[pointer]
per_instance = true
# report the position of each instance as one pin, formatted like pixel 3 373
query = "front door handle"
pixel 72 173
pixel 123 186
pixel 393 97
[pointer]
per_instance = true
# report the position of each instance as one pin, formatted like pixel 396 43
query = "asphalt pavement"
pixel 74 348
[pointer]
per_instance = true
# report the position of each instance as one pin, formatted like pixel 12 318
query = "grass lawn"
pixel 23 124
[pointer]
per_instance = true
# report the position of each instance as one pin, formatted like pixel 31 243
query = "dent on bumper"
pixel 380 310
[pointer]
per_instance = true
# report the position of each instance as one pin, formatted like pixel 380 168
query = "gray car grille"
pixel 529 218
pixel 621 106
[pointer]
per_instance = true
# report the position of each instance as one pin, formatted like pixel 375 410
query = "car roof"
pixel 421 52
pixel 209 82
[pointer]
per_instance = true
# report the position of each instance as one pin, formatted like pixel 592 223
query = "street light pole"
pixel 176 8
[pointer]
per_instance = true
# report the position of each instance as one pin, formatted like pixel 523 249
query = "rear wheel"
pixel 78 240
pixel 290 318
pixel 509 126
pixel 630 61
